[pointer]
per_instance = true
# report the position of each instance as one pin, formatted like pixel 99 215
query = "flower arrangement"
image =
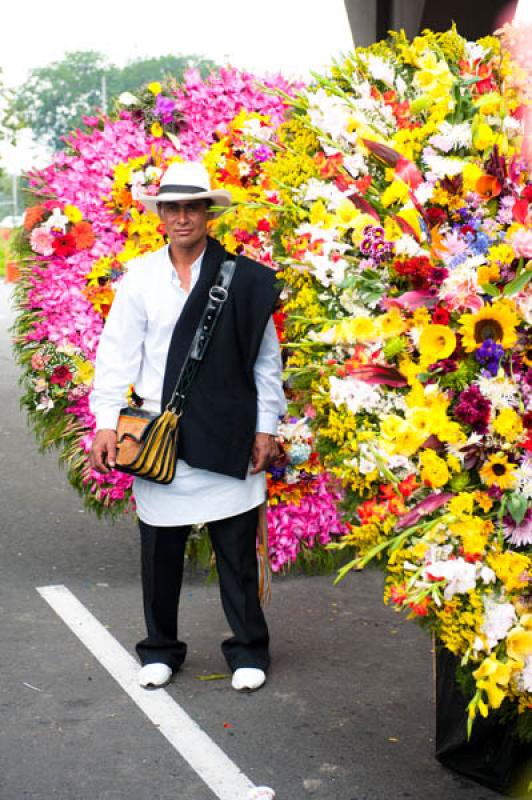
pixel 399 206
pixel 74 247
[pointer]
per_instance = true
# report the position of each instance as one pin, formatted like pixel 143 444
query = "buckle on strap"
pixel 218 294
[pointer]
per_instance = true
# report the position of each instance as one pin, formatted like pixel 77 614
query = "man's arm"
pixel 271 403
pixel 118 360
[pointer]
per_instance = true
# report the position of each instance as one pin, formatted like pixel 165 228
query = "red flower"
pixel 363 184
pixel 64 245
pixel 420 609
pixel 61 375
pixel 527 193
pixel 264 226
pixel 436 216
pixel 408 485
pixel 398 594
pixel 440 316
pixel 520 210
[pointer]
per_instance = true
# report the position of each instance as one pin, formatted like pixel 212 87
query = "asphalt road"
pixel 347 713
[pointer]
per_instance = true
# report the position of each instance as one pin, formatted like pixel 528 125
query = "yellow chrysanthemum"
pixel 434 471
pixel 498 472
pixel 155 88
pixel 462 504
pixel 511 568
pixel 508 424
pixel 496 322
pixel 436 342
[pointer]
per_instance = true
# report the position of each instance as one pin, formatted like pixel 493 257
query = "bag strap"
pixel 218 294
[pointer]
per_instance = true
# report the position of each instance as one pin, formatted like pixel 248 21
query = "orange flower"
pixel 487 187
pixel 32 216
pixel 83 234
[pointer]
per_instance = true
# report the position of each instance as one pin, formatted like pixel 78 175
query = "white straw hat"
pixel 187 180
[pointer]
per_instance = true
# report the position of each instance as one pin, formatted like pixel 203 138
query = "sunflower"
pixel 496 322
pixel 526 355
pixel 436 342
pixel 498 472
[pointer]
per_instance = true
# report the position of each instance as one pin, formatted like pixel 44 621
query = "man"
pixel 226 433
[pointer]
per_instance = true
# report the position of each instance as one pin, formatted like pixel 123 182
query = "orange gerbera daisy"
pixel 83 234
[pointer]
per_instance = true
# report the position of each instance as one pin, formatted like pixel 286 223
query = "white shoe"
pixel 153 676
pixel 248 679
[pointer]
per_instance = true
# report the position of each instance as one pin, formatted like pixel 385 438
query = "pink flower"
pixel 42 242
pixel 521 241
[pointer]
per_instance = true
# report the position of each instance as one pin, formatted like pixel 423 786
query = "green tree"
pixel 54 98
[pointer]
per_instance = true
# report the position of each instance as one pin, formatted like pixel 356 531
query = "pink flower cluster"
pixel 209 105
pixel 313 521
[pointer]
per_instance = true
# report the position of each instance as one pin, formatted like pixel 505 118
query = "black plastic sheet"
pixel 492 756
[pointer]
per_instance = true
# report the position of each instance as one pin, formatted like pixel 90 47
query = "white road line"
pixel 216 769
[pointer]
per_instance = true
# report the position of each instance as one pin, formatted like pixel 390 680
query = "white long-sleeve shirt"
pixel 133 350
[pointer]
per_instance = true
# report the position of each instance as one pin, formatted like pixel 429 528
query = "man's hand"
pixel 102 456
pixel 265 450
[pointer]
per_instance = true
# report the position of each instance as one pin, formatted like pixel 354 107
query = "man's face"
pixel 185 222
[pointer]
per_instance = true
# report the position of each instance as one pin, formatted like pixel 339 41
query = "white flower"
pixel 459 574
pixel 498 619
pixel 331 115
pixel 400 85
pixel 357 395
pixel 443 166
pixel 407 246
pixel 327 271
pixel 290 431
pixel 525 679
pixel 500 391
pixel 254 128
pixel 423 193
pixel 524 304
pixel 128 99
pixel 321 190
pixel 45 403
pixel 56 221
pixel 474 51
pixel 356 164
pixel 452 137
pixel 512 126
pixel 523 476
pixel 487 575
pixel 380 69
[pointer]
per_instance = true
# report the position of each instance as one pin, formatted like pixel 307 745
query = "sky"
pixel 291 36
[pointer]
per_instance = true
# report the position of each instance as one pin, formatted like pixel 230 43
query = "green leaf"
pixel 518 283
pixel 517 505
pixel 489 288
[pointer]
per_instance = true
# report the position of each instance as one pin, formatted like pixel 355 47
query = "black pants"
pixel 162 559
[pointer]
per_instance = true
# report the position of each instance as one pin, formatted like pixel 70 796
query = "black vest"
pixel 217 429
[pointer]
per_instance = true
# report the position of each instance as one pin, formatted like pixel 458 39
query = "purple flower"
pixel 164 108
pixel 489 354
pixel 262 153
